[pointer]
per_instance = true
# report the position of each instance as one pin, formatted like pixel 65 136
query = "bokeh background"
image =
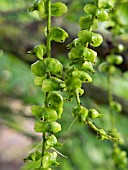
pixel 20 31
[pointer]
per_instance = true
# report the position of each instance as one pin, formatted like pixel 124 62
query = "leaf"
pixel 82 76
pixel 37 111
pixel 89 55
pixel 85 36
pixel 85 22
pixel 58 34
pixel 105 4
pixel 38 80
pixel 90 9
pixel 40 7
pixel 96 39
pixel 50 85
pixel 58 9
pixel 102 15
pixel 54 66
pixel 38 68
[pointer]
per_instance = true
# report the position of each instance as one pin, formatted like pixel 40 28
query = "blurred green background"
pixel 20 31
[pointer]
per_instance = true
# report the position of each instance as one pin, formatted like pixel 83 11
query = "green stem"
pixel 110 99
pixel 48 46
pixel 78 99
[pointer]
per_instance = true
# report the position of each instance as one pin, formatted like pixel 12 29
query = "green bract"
pixel 58 34
pixel 52 127
pixel 58 9
pixel 90 9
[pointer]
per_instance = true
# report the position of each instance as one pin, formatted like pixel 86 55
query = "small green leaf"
pixel 90 9
pixel 96 39
pixel 85 22
pixel 50 85
pixel 58 9
pixel 38 68
pixel 116 106
pixel 48 114
pixel 58 34
pixel 102 15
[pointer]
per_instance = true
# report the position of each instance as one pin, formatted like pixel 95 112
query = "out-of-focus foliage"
pixel 19 31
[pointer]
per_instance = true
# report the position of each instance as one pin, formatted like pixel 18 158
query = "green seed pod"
pixel 116 106
pixel 53 66
pixel 50 85
pixel 96 39
pixel 73 83
pixel 90 9
pixel 105 4
pixel 80 91
pixel 38 51
pixel 102 15
pixel 40 7
pixel 82 115
pixel 87 66
pixel 89 55
pixel 93 114
pixel 84 77
pixel 58 9
pixel 85 22
pixel 51 127
pixel 51 142
pixel 55 99
pixel 76 53
pixel 115 59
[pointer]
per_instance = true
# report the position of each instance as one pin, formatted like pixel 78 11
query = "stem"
pixel 110 99
pixel 78 99
pixel 48 46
